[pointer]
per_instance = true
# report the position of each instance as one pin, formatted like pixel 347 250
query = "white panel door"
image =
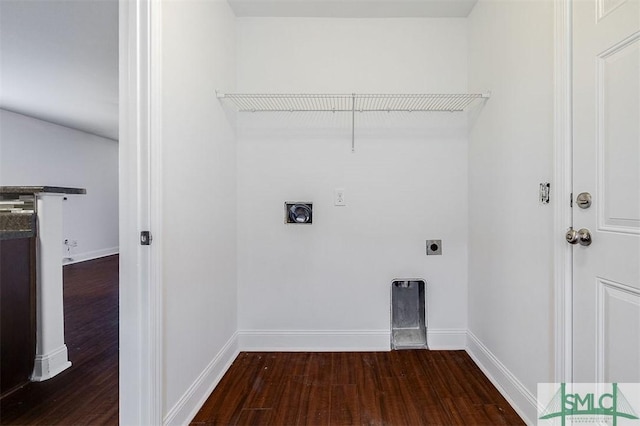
pixel 606 164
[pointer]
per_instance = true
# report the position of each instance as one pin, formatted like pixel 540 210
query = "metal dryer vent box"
pixel 408 314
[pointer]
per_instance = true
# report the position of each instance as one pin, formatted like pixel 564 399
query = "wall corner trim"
pixel 192 400
pixel 523 401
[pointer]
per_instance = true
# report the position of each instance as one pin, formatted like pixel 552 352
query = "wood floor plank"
pixel 343 370
pixel 382 366
pixel 315 405
pixel 318 369
pixel 369 397
pixel 260 392
pixel 462 411
pixel 254 417
pixel 399 406
pixel 288 408
pixel 345 409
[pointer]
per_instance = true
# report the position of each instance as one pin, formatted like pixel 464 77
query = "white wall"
pixel 35 152
pixel 199 198
pixel 510 233
pixel 327 285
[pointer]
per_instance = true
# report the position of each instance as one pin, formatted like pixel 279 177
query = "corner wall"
pixel 326 286
pixel 35 152
pixel 510 232
pixel 199 203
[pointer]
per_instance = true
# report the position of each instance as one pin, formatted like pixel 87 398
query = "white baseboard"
pixel 90 255
pixel 192 400
pixel 447 339
pixel 48 365
pixel 314 340
pixel 523 401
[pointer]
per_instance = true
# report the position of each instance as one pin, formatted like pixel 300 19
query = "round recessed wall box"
pixel 300 213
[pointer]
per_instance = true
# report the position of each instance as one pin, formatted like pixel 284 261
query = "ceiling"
pixel 59 62
pixel 59 58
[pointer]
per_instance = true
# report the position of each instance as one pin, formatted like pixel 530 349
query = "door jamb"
pixel 563 178
pixel 141 382
pixel 140 322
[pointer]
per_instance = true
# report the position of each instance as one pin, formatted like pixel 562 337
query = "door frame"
pixel 563 182
pixel 141 373
pixel 140 208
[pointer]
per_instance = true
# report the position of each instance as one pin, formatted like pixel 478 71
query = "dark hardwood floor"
pixel 357 388
pixel 86 393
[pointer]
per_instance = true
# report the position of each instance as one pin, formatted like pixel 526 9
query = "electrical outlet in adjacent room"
pixel 338 197
pixel 434 247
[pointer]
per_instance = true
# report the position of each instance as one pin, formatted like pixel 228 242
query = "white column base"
pixel 48 365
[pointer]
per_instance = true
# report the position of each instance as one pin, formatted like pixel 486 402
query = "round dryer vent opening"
pixel 299 213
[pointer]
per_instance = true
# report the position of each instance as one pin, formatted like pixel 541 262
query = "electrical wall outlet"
pixel 434 247
pixel 338 197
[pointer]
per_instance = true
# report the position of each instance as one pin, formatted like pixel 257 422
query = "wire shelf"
pixel 263 102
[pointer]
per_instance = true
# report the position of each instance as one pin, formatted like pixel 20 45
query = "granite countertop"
pixel 17 225
pixel 24 190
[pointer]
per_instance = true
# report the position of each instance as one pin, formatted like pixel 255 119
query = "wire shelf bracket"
pixel 314 102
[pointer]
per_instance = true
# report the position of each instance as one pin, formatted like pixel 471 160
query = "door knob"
pixel 584 237
pixel 572 236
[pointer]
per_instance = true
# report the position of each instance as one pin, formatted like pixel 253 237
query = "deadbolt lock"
pixel 583 200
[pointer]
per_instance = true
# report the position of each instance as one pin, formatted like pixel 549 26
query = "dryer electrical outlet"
pixel 434 247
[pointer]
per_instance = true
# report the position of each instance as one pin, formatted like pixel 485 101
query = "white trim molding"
pixel 194 398
pixel 563 182
pixel 314 340
pixel 342 340
pixel 523 401
pixel 140 359
pixel 449 339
